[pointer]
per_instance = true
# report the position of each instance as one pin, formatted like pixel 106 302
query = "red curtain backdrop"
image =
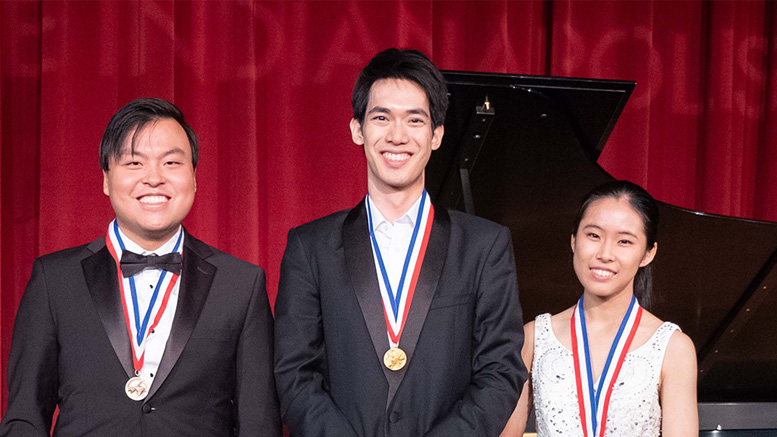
pixel 267 87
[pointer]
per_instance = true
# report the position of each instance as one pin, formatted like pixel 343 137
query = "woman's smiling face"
pixel 609 247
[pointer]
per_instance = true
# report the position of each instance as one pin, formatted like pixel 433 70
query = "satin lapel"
pixel 196 277
pixel 428 278
pixel 102 280
pixel 364 279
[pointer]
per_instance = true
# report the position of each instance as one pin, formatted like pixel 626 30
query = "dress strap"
pixel 542 333
pixel 660 339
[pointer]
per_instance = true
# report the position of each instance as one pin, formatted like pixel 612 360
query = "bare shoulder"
pixel 527 352
pixel 679 343
pixel 679 358
pixel 680 347
pixel 528 336
pixel 528 332
pixel 677 389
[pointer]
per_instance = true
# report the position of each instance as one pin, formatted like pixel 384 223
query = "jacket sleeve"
pixel 300 360
pixel 33 376
pixel 498 373
pixel 255 396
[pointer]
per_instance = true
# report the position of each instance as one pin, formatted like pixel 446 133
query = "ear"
pixel 437 137
pixel 649 255
pixel 572 243
pixel 195 180
pixel 356 132
pixel 106 185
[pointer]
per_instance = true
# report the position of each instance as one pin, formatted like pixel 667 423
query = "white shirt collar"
pixel 407 218
pixel 162 250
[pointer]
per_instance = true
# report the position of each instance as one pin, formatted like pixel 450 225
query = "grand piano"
pixel 522 150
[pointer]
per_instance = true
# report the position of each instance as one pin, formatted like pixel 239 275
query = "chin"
pixel 159 230
pixel 606 294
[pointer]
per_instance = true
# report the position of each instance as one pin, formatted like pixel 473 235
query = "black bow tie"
pixel 132 263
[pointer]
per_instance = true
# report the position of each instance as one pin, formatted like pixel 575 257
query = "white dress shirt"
pixel 393 241
pixel 145 282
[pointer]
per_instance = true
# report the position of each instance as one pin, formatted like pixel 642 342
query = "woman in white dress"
pixel 607 367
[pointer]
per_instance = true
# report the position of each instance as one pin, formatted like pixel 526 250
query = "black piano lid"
pixel 526 161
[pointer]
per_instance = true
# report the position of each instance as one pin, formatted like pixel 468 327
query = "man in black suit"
pixel 146 331
pixel 397 318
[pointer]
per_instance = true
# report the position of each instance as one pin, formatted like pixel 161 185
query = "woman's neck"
pixel 610 309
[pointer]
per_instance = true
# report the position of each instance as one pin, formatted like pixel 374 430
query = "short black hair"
pixel 402 64
pixel 647 208
pixel 134 116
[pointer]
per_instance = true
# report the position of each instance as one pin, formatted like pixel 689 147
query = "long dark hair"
pixel 646 206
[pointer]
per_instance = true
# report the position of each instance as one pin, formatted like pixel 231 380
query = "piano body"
pixel 522 150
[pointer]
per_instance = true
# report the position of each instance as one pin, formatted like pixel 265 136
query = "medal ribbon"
pixel 138 341
pixel 397 305
pixel 593 406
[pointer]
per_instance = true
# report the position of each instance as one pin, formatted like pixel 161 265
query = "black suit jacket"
pixel 71 348
pixel 463 335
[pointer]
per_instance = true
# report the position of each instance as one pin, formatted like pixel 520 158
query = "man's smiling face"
pixel 397 135
pixel 152 189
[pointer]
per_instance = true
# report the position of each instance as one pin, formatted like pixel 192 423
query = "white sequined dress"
pixel 634 408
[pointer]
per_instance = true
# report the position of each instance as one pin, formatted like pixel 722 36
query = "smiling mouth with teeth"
pixel 153 199
pixel 396 156
pixel 600 272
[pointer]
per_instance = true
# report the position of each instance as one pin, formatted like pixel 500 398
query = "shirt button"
pixel 394 417
pixel 148 408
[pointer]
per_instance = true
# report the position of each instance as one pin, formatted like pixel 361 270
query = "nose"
pixel 397 133
pixel 153 175
pixel 605 252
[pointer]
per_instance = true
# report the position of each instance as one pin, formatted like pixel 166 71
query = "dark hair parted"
pixel 647 208
pixel 402 64
pixel 133 117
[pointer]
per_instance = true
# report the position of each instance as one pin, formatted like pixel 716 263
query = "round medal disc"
pixel 136 388
pixel 395 359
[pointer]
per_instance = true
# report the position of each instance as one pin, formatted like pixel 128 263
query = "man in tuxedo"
pixel 146 331
pixel 396 318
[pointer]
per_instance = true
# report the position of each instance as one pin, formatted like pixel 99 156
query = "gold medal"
pixel 136 388
pixel 395 359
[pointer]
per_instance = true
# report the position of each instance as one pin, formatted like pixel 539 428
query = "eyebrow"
pixel 601 229
pixel 383 110
pixel 172 151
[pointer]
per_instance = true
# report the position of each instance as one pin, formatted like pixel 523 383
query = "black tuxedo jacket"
pixel 463 335
pixel 71 348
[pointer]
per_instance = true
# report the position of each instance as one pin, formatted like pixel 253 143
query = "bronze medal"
pixel 136 388
pixel 395 359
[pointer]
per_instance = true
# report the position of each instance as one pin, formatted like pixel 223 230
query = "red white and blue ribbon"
pixel 595 401
pixel 138 328
pixel 396 306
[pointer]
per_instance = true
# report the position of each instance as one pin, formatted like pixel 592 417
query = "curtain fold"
pixel 20 42
pixel 765 193
pixel 267 87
